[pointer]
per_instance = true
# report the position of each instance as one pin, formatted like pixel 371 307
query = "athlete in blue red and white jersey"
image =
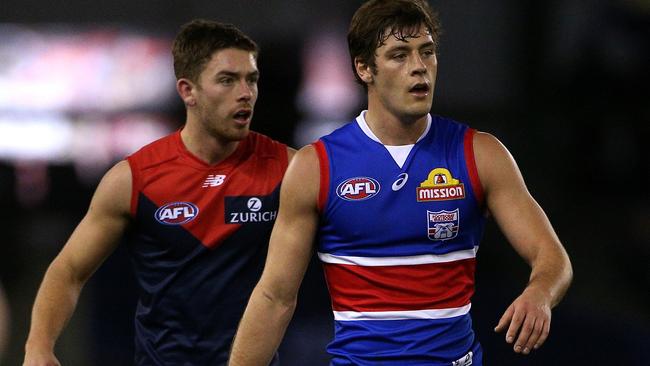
pixel 198 205
pixel 395 202
pixel 399 232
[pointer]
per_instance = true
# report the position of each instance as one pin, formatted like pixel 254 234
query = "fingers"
pixel 546 328
pixel 530 331
pixel 529 326
pixel 517 320
pixel 505 320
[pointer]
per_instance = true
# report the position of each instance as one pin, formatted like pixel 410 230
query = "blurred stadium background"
pixel 564 84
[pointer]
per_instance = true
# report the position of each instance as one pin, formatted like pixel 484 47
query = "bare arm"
pixel 273 301
pixel 529 231
pixel 92 241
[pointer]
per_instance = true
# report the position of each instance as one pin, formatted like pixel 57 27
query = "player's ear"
pixel 185 89
pixel 364 70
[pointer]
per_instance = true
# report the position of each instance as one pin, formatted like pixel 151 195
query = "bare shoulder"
pixel 305 163
pixel 302 179
pixel 495 164
pixel 99 231
pixel 113 194
pixel 486 145
pixel 119 175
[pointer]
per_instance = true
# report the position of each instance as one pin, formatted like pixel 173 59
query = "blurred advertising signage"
pixel 65 69
pixel 86 96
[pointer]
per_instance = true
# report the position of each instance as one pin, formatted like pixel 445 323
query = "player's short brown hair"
pixel 197 41
pixel 376 20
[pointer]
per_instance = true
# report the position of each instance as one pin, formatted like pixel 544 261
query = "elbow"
pixel 283 301
pixel 63 272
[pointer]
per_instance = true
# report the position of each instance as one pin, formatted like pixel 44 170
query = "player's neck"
pixel 395 130
pixel 207 148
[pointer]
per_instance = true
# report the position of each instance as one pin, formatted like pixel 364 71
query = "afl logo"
pixel 358 189
pixel 176 213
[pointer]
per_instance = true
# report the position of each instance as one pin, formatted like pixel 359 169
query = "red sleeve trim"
pixel 135 183
pixel 323 163
pixel 470 162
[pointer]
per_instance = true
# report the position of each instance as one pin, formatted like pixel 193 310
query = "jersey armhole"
pixel 470 162
pixel 135 184
pixel 284 157
pixel 323 164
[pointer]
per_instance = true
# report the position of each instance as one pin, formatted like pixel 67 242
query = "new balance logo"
pixel 213 180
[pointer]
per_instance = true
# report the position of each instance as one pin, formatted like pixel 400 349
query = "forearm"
pixel 55 302
pixel 551 273
pixel 261 329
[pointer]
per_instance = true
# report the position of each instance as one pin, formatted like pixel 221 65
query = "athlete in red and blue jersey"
pixel 396 203
pixel 198 205
pixel 198 244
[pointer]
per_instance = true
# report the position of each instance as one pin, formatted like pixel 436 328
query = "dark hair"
pixel 197 41
pixel 376 20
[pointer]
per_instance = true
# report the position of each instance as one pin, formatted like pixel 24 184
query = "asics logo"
pixel 400 182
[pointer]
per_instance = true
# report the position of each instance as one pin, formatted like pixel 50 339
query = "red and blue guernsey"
pixel 400 228
pixel 199 242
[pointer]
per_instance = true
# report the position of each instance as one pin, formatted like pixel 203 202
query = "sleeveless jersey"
pixel 398 246
pixel 199 242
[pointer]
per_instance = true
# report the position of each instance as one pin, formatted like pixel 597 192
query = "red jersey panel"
pixel 168 174
pixel 198 244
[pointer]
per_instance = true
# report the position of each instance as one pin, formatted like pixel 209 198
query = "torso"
pixel 198 245
pixel 398 245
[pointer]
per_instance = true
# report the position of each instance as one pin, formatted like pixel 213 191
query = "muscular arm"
pixel 529 231
pixel 273 301
pixel 92 241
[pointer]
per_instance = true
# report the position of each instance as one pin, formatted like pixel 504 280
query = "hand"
pixel 39 358
pixel 528 319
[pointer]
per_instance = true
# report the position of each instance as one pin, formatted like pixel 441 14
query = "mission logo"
pixel 176 213
pixel 440 186
pixel 357 189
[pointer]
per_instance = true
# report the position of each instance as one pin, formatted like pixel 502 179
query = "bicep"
pixel 519 216
pixel 290 247
pixel 102 227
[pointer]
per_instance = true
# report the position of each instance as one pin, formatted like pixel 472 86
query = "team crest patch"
pixel 176 213
pixel 358 188
pixel 443 225
pixel 440 185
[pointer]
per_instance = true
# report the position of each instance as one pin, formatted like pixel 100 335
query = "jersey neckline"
pixel 230 161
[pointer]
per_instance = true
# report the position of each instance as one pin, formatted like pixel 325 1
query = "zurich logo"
pixel 400 182
pixel 176 213
pixel 357 189
pixel 254 204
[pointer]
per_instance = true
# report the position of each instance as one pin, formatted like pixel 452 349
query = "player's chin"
pixel 418 111
pixel 238 133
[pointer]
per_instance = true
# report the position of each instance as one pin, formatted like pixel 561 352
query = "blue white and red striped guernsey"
pixel 400 229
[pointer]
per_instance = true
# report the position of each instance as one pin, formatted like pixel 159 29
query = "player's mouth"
pixel 420 89
pixel 243 116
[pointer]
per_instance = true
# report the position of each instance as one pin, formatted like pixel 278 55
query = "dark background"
pixel 563 84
